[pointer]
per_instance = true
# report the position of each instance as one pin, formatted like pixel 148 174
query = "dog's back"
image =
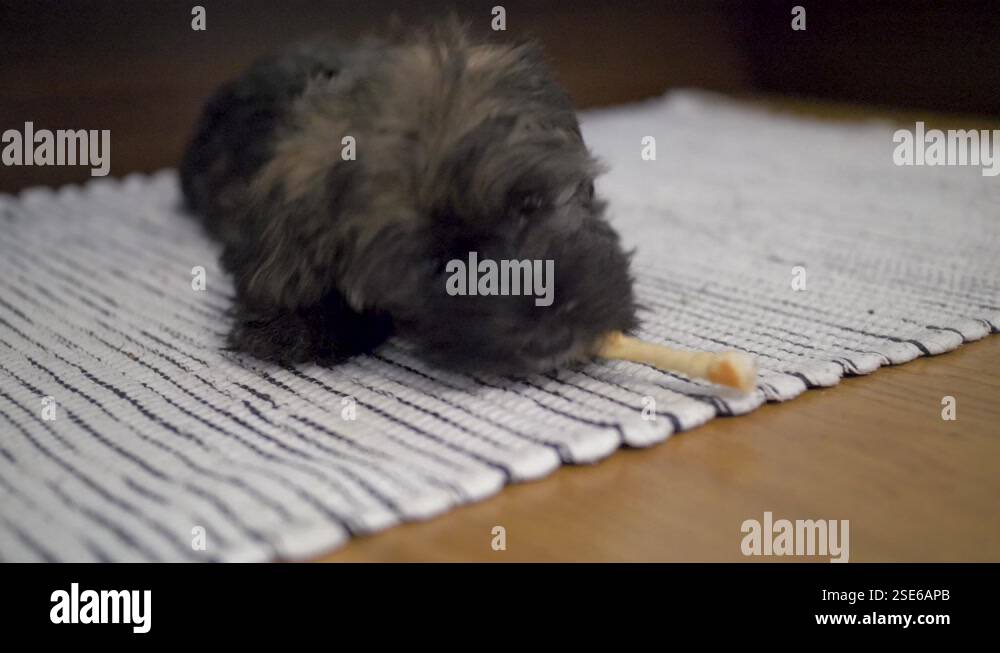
pixel 235 134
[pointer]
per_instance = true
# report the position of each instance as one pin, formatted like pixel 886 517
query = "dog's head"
pixel 506 263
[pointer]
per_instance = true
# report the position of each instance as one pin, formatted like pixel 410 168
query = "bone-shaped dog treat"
pixel 729 368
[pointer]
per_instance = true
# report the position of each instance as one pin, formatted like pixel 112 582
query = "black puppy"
pixel 461 147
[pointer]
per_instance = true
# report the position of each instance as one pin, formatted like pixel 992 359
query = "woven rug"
pixel 127 434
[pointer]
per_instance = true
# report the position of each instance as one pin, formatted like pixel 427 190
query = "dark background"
pixel 138 69
pixel 254 604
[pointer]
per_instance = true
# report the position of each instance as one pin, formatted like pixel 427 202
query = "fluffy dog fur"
pixel 461 146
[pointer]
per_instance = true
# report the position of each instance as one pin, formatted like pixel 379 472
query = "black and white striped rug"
pixel 126 433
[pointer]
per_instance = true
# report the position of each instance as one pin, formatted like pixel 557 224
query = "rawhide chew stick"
pixel 729 368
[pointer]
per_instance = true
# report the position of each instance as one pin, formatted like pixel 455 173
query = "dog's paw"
pixel 282 337
pixel 326 333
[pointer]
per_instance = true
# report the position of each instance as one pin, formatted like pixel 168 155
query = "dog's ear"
pixel 293 234
pixel 289 258
pixel 285 265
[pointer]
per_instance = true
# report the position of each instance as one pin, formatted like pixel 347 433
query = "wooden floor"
pixel 874 450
